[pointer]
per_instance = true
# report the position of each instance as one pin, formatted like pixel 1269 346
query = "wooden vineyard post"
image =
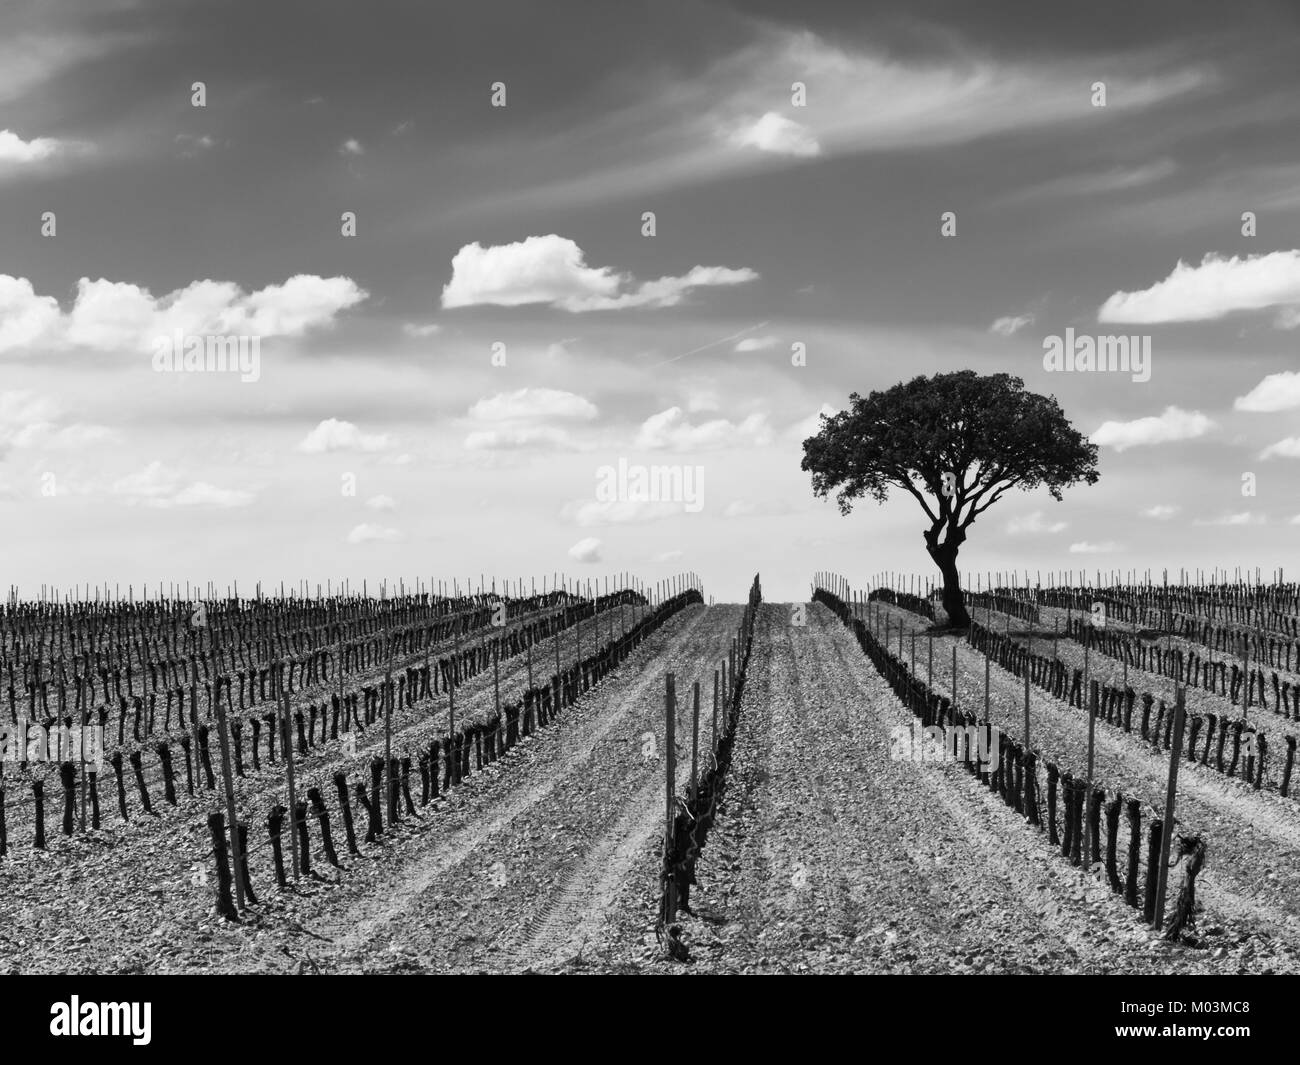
pixel 390 796
pixel 557 647
pixel 1171 793
pixel 226 776
pixel 929 671
pixel 987 661
pixel 529 654
pixel 496 675
pixel 1245 676
pixel 194 719
pixel 1056 635
pixel 954 682
pixel 83 765
pixel 670 760
pixel 282 697
pixel 695 739
pixel 453 676
pixel 714 741
pixel 913 655
pixel 1089 842
pixel 1029 660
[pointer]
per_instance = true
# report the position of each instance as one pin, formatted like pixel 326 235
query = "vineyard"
pixel 637 781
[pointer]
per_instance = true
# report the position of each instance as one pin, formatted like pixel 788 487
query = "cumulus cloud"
pixel 1215 288
pixel 1174 424
pixel 1009 326
pixel 552 270
pixel 671 429
pixel 1278 391
pixel 31 421
pixel 335 435
pixel 1286 449
pixel 1105 547
pixel 776 133
pixel 586 550
pixel 160 487
pixel 13 149
pixel 533 403
pixel 367 533
pixel 1160 512
pixel 1035 523
pixel 121 316
pixel 522 419
pixel 351 146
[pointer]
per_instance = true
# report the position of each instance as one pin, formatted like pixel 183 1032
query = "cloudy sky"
pixel 463 311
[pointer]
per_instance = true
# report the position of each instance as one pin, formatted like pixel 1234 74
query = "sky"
pixel 485 253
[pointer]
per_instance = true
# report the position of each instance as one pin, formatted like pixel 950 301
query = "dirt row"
pixel 1253 838
pixel 138 896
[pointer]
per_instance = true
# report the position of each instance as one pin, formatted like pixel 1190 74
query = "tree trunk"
pixel 954 603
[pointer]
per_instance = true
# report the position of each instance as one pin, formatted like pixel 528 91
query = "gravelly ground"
pixel 828 855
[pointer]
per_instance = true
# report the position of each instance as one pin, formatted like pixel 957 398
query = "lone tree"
pixel 956 442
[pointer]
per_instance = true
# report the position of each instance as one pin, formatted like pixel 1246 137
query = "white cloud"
pixel 1173 424
pixel 1278 391
pixel 1161 512
pixel 13 149
pixel 516 438
pixel 1215 288
pixel 335 435
pixel 351 146
pixel 776 133
pixel 591 512
pixel 121 316
pixel 671 429
pixel 1242 518
pixel 366 533
pixel 810 426
pixel 1287 449
pixel 532 403
pixel 25 318
pixel 551 269
pixel 1009 326
pixel 31 421
pixel 1034 523
pixel 756 343
pixel 160 487
pixel 1084 547
pixel 586 550
pixel 414 329
pixel 667 556
pixel 381 502
pixel 1295 520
